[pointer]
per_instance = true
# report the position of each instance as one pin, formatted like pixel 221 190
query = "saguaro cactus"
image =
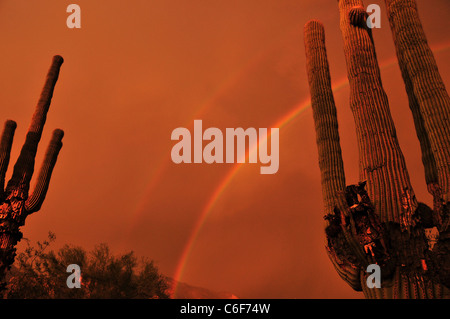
pixel 15 204
pixel 383 224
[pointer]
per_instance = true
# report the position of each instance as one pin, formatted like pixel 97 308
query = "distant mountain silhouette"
pixel 185 291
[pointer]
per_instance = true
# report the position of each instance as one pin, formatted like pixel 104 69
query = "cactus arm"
pixel 347 271
pixel 24 167
pixel 34 202
pixel 5 152
pixel 382 163
pixel 429 100
pixel 324 112
pixel 330 154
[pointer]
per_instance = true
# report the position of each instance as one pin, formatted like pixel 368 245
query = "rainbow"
pixel 233 78
pixel 282 122
pixel 296 111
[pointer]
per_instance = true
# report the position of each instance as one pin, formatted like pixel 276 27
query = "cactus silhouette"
pixel 15 204
pixel 379 220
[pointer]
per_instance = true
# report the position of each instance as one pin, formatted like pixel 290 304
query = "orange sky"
pixel 138 69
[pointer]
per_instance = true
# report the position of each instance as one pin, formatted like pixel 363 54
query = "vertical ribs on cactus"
pixel 379 220
pixel 15 201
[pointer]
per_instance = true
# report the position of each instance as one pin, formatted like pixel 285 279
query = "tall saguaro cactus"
pixel 15 202
pixel 383 224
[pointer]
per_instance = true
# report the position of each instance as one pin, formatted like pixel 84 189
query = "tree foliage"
pixel 39 274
